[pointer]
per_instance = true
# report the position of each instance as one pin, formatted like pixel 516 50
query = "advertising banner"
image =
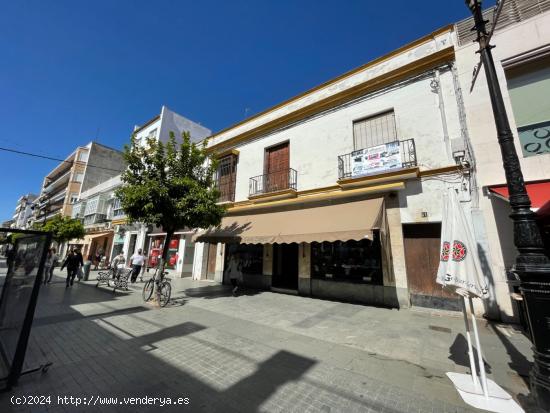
pixel 376 159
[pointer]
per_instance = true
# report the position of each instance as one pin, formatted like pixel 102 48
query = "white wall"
pixel 173 122
pixel 511 41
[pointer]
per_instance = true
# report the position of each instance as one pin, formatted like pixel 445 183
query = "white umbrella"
pixel 459 270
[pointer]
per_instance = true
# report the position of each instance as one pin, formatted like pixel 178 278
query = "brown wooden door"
pixel 211 262
pixel 421 243
pixel 277 164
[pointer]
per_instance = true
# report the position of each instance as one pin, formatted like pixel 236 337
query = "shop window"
pixel 351 261
pixel 529 88
pixel 247 258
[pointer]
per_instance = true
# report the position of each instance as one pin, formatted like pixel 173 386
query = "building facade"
pixel 23 211
pixel 522 59
pixel 336 193
pixel 115 234
pixel 84 168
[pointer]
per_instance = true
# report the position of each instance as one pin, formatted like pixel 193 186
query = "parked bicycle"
pixel 159 283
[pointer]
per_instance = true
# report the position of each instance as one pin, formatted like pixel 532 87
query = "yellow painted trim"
pixel 393 53
pixel 401 174
pixel 227 152
pixel 442 170
pixel 394 186
pixel 394 76
pixel 119 221
pixel 285 193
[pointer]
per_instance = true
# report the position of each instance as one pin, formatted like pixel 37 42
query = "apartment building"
pixel 23 211
pixel 84 168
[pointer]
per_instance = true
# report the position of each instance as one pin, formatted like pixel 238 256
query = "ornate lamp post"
pixel 532 265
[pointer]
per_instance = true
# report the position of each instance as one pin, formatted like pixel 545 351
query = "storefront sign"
pixel 376 159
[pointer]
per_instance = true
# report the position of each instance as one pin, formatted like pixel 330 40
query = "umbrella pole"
pixel 479 352
pixel 473 369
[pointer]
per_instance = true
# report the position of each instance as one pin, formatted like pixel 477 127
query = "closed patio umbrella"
pixel 460 271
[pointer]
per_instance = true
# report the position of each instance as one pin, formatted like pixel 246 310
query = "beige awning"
pixel 340 222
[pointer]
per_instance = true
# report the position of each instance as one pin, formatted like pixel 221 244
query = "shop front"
pixel 97 244
pixel 337 250
pixel 180 251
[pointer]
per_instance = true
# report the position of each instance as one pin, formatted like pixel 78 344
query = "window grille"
pixel 374 130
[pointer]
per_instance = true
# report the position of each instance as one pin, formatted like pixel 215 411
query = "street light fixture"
pixel 532 266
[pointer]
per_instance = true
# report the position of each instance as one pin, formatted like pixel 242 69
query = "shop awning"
pixel 539 192
pixel 340 222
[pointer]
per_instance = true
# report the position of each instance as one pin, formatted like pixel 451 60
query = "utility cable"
pixel 54 159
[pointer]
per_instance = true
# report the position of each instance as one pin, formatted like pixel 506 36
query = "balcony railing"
pixel 226 188
pixel 94 219
pixel 273 182
pixel 377 159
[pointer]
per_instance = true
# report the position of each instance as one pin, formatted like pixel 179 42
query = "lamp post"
pixel 532 266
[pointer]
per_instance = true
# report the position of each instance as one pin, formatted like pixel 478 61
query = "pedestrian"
pixel 118 261
pixel 234 272
pixel 73 262
pixel 137 261
pixel 51 261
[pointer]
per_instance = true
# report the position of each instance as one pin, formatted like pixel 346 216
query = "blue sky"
pixel 72 68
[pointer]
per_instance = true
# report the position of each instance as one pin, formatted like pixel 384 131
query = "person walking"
pixel 117 262
pixel 51 261
pixel 235 273
pixel 137 261
pixel 73 262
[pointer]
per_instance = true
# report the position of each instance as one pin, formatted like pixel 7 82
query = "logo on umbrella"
pixel 458 254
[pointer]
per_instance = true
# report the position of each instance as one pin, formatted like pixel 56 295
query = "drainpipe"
pixel 436 87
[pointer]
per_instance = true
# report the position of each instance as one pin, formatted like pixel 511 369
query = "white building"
pixel 522 59
pixel 337 192
pixel 130 238
pixel 23 211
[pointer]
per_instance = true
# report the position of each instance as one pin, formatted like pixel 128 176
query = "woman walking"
pixel 51 261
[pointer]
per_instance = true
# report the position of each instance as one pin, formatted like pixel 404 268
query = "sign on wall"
pixel 376 159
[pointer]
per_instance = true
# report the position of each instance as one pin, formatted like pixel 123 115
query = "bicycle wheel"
pixel 165 291
pixel 148 290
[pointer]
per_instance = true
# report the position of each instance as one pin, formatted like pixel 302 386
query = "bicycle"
pixel 163 288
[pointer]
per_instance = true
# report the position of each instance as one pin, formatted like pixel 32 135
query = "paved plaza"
pixel 259 352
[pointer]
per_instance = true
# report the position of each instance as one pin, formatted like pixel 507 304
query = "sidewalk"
pixel 260 351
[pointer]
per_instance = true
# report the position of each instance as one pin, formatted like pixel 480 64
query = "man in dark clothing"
pixel 73 262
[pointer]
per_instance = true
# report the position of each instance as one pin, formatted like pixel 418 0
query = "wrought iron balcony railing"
pixel 377 159
pixel 273 182
pixel 226 188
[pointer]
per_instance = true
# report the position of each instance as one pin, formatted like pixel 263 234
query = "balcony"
pixel 94 219
pixel 280 184
pixel 382 163
pixel 226 188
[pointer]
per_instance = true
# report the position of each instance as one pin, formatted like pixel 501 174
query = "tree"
pixel 170 185
pixel 63 228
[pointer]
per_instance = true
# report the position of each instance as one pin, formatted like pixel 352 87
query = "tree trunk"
pixel 169 234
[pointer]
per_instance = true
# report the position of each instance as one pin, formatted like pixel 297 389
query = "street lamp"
pixel 532 266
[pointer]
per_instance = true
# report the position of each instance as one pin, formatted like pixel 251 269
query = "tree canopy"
pixel 63 228
pixel 170 185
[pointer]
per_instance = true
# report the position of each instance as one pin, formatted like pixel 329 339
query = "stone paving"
pixel 259 352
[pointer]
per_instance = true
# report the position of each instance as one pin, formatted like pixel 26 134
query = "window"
pixel 374 131
pixel 117 208
pixel 73 198
pixel 529 88
pixel 83 156
pixel 91 206
pixel 152 134
pixel 246 258
pixel 226 177
pixel 78 177
pixel 351 261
